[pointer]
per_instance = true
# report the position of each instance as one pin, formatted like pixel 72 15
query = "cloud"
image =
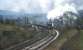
pixel 38 6
pixel 15 5
pixel 61 6
pixel 29 6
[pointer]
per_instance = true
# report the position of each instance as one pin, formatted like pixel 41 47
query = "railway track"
pixel 40 45
pixel 35 44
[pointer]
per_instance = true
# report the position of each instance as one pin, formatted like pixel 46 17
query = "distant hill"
pixel 9 14
pixel 39 18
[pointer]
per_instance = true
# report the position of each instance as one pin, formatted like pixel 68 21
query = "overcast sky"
pixel 52 7
pixel 26 5
pixel 37 5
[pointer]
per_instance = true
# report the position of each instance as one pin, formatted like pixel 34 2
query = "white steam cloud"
pixel 60 7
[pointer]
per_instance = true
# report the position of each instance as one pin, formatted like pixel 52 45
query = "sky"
pixel 53 8
pixel 30 6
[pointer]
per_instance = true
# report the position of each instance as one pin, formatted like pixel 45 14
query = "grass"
pixel 64 37
pixel 72 44
pixel 81 39
pixel 11 34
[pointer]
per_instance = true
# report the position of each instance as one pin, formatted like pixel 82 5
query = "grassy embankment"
pixel 63 39
pixel 11 34
pixel 81 39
